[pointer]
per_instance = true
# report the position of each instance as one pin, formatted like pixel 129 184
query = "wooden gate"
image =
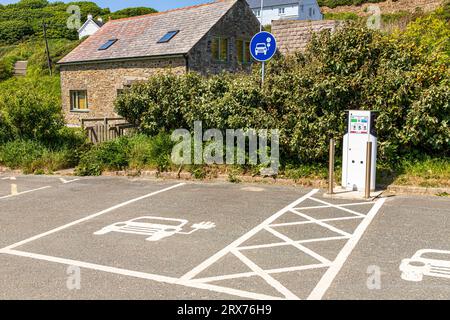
pixel 105 129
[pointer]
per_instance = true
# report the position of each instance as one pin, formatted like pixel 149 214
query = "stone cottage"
pixel 207 38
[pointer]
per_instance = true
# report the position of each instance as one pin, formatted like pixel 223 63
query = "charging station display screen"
pixel 359 124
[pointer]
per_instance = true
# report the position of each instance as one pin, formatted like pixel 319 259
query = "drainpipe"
pixel 186 57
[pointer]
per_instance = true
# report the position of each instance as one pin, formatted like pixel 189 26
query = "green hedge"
pixel 135 152
pixel 306 95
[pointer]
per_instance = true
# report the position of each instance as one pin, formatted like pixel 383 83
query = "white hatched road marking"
pixel 311 222
pixel 191 274
pixel 324 283
pixel 321 223
pixel 337 207
pixel 234 248
pixel 298 246
pixel 260 272
pixel 335 266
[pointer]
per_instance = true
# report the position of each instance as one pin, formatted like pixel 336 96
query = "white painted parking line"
pixel 270 271
pixel 324 283
pixel 68 181
pixel 321 223
pixel 311 222
pixel 188 279
pixel 337 207
pixel 120 205
pixel 281 244
pixel 236 249
pixel 24 192
pixel 341 205
pixel 298 246
pixel 141 275
pixel 191 274
pixel 260 272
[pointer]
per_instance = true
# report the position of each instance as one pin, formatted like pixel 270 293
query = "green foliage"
pixel 427 122
pixel 31 108
pixel 32 156
pixel 132 12
pixel 341 16
pixel 431 36
pixel 306 95
pixel 34 52
pixel 135 152
pixel 337 3
pixel 5 70
pixel 14 30
pixel 24 19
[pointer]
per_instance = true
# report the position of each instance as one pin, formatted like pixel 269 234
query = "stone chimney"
pixel 100 19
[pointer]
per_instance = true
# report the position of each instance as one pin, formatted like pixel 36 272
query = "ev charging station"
pixel 360 131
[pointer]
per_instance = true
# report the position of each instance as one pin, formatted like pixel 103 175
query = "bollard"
pixel 368 169
pixel 331 167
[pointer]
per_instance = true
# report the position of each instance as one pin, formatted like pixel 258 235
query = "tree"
pixel 33 4
pixel 132 12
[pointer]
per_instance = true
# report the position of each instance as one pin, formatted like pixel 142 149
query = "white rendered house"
pixel 90 27
pixel 286 9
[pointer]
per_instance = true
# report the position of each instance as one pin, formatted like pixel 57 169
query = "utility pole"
pixel 47 51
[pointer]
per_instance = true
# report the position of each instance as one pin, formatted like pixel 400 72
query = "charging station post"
pixel 360 152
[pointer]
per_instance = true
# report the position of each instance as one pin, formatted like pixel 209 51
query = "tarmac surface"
pixel 121 238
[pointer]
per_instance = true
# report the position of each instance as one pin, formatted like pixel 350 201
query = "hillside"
pixel 23 20
pixel 360 7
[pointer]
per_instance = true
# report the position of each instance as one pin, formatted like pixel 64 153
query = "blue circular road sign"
pixel 263 46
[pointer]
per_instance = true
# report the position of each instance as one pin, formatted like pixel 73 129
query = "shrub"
pixel 341 16
pixel 305 96
pixel 32 156
pixel 134 152
pixel 31 108
pixel 12 31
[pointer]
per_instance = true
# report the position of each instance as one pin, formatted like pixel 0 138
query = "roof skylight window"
pixel 107 44
pixel 168 36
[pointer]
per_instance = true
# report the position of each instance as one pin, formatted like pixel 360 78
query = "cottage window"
pixel 257 13
pixel 281 11
pixel 219 49
pixel 243 51
pixel 78 100
pixel 310 12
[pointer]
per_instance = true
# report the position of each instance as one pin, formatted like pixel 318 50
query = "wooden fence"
pixel 105 129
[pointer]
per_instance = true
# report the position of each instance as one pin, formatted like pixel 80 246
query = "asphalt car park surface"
pixel 142 239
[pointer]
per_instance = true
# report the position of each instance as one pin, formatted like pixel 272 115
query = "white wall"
pixel 311 11
pixel 89 29
pixel 273 13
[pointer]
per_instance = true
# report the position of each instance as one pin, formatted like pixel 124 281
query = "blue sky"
pixel 159 5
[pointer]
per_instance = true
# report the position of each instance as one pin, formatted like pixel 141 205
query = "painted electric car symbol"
pixel 156 228
pixel 425 263
pixel 261 48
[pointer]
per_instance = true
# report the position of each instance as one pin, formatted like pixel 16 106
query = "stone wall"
pixel 238 23
pixel 102 80
pixel 390 6
pixel 294 35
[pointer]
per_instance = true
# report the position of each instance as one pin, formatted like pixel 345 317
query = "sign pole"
pixel 260 30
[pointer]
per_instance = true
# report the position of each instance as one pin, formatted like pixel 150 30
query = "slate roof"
pixel 256 4
pixel 138 36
